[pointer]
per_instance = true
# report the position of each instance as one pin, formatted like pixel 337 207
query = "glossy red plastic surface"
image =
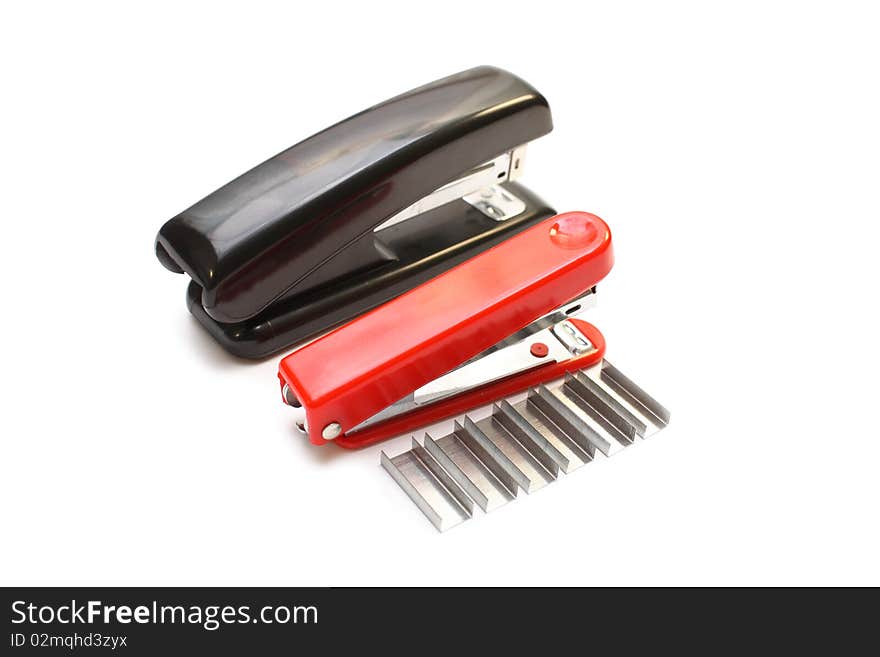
pixel 366 365
pixel 479 396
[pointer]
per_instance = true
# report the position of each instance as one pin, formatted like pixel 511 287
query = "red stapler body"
pixel 493 326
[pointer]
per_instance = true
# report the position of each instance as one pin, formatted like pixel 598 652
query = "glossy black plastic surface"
pixel 304 219
pixel 427 245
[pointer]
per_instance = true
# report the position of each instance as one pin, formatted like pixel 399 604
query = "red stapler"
pixel 499 325
pixel 427 354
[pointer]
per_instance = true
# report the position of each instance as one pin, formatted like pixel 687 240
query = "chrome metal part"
pixel 520 447
pixel 611 415
pixel 571 309
pixel 507 166
pixel 517 163
pixel 498 365
pixel 614 410
pixel 289 398
pixel 478 475
pixel 300 418
pixel 510 356
pixel 575 341
pixel 524 445
pixel 505 469
pixel 430 487
pixel 572 425
pixel 496 203
pixel 573 454
pixel 331 431
pixel 637 399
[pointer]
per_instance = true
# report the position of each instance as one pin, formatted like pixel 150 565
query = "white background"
pixel 734 151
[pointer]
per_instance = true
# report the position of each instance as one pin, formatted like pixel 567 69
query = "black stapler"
pixel 360 212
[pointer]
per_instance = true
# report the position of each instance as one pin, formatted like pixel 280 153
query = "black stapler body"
pixel 360 212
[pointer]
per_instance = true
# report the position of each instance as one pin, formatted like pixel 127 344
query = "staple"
pixel 585 436
pixel 484 463
pixel 616 420
pixel 428 485
pixel 474 474
pixel 640 400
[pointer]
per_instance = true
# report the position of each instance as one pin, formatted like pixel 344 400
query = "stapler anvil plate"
pixel 360 212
